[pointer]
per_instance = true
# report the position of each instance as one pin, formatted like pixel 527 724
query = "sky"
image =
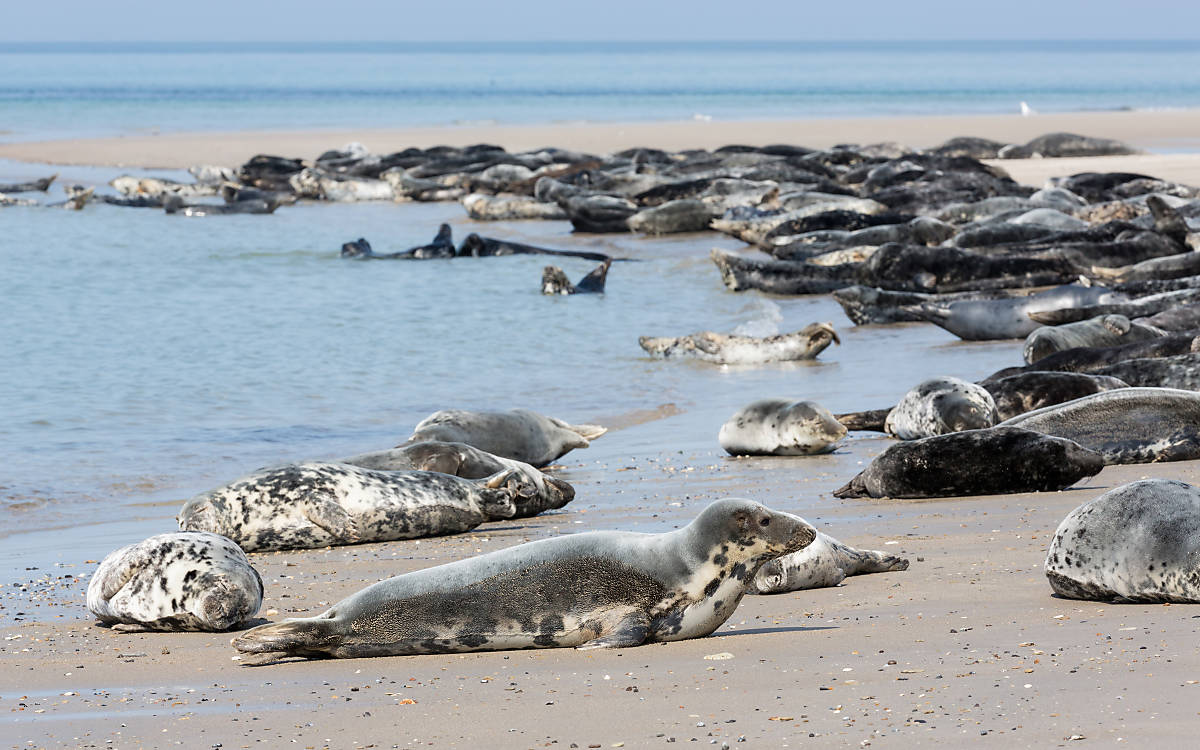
pixel 585 20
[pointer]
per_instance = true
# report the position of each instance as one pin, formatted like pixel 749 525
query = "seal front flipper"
pixel 630 630
pixel 333 518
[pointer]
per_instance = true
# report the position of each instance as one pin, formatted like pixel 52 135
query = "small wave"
pixel 766 320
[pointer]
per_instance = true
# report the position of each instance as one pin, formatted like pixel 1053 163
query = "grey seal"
pixel 469 462
pixel 985 320
pixel 731 349
pixel 483 207
pixel 994 461
pixel 780 427
pixel 599 589
pixel 1126 426
pixel 1103 330
pixel 1139 542
pixel 1024 392
pixel 442 246
pixel 521 434
pixel 317 504
pixel 941 405
pixel 824 563
pixel 190 580
pixel 555 281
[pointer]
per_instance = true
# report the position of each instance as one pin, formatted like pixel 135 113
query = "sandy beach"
pixel 968 646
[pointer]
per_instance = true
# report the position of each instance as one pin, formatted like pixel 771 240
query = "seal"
pixel 469 462
pixel 1103 330
pixel 995 461
pixel 482 207
pixel 190 580
pixel 554 281
pixel 599 589
pixel 442 246
pixel 521 434
pixel 1094 359
pixel 824 563
pixel 173 203
pixel 1181 371
pixel 1139 542
pixel 1011 318
pixel 475 246
pixel 1024 392
pixel 317 504
pixel 1142 307
pixel 1126 426
pixel 779 427
pixel 941 405
pixel 731 349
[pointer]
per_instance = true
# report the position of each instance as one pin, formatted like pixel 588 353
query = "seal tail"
pixel 868 560
pixel 308 636
pixel 587 431
pixel 854 488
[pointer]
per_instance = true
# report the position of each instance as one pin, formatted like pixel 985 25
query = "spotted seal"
pixel 780 427
pixel 316 504
pixel 469 462
pixel 1126 425
pixel 519 433
pixel 190 580
pixel 940 405
pixel 732 349
pixel 824 563
pixel 994 461
pixel 599 589
pixel 1139 542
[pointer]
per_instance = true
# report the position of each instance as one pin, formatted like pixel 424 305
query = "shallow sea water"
pixel 151 357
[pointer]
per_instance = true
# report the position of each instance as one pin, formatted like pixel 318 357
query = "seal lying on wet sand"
pixel 1139 542
pixel 317 504
pixel 994 461
pixel 180 581
pixel 779 427
pixel 521 434
pixel 731 349
pixel 825 562
pixel 600 589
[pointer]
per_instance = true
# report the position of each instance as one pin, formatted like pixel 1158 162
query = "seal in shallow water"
pixel 732 349
pixel 317 504
pixel 779 427
pixel 600 589
pixel 181 581
pixel 825 562
pixel 994 461
pixel 938 406
pixel 1139 542
pixel 521 434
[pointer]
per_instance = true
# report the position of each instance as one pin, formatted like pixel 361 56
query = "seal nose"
pixel 803 535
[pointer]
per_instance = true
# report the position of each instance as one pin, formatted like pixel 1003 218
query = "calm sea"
pixel 51 90
pixel 149 357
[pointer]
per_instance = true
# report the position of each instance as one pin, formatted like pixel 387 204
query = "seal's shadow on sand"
pixel 763 631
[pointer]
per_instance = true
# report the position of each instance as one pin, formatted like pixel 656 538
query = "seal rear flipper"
pixel 333 518
pixel 632 630
pixel 594 282
pixel 860 561
pixel 586 431
pixel 854 488
pixel 872 421
pixel 120 574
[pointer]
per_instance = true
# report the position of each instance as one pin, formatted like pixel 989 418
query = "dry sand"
pixel 967 646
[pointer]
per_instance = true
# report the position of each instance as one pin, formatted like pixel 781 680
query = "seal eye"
pixel 765 521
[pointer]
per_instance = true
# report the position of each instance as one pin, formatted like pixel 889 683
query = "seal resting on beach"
pixel 1127 425
pixel 1139 542
pixel 731 349
pixel 938 406
pixel 1017 394
pixel 1101 331
pixel 994 461
pixel 521 434
pixel 469 462
pixel 190 580
pixel 780 427
pixel 599 589
pixel 555 281
pixel 825 562
pixel 317 504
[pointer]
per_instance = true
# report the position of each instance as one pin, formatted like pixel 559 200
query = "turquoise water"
pixel 61 90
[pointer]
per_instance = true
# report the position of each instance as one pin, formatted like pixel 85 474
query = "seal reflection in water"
pixel 601 589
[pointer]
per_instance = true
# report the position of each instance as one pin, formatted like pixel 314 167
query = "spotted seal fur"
pixel 825 562
pixel 469 462
pixel 599 589
pixel 732 349
pixel 1139 542
pixel 316 504
pixel 190 580
pixel 993 461
pixel 780 427
pixel 941 405
pixel 519 433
